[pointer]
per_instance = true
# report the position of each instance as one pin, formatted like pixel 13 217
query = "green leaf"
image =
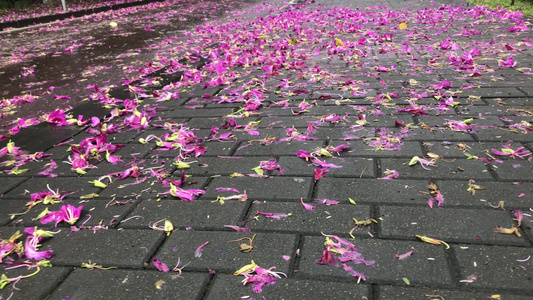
pixel 351 201
pixel 406 281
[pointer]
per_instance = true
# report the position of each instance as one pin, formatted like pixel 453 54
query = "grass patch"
pixel 524 6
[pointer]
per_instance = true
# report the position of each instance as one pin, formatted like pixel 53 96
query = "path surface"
pixel 301 134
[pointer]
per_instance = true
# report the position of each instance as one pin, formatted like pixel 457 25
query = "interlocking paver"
pixel 198 214
pixel 220 254
pixel 41 285
pixel 274 188
pixel 469 225
pixel 496 267
pixel 387 292
pixel 427 266
pixel 228 286
pixel 109 248
pixel 448 169
pixel 334 219
pixel 128 284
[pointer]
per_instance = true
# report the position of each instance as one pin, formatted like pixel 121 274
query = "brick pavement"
pixel 114 228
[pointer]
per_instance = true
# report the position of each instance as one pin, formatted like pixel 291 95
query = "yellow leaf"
pixel 159 284
pixel 89 196
pixel 402 26
pixel 168 227
pixel 246 269
pixel 339 43
pixel 113 24
pixel 293 41
pixel 432 241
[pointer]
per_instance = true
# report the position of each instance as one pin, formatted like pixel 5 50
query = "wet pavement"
pixel 376 150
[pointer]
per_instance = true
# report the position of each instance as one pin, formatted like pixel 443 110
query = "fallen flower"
pixel 405 255
pixel 432 241
pixel 512 230
pixel 261 277
pixel 198 252
pixel 160 265
pixel 307 206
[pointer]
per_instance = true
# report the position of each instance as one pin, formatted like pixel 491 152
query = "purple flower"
pixel 30 249
pixel 160 265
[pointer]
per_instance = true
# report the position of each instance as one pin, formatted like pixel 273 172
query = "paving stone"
pixel 445 169
pixel 419 134
pixel 372 191
pixel 130 284
pixel 516 170
pixel 39 184
pixel 109 248
pixel 389 292
pixel 209 166
pixel 274 188
pixel 218 122
pixel 456 193
pixel 350 166
pixel 526 102
pixel 501 135
pixel 427 266
pixel 499 92
pixel 229 286
pixel 469 225
pixel 450 150
pixel 496 267
pixel 333 219
pixel 361 148
pixel 200 112
pixel 151 188
pixel 37 287
pixel 183 214
pixel 33 168
pixel 275 149
pixel 37 139
pixel 9 183
pixel 475 123
pixel 222 255
pixel 94 212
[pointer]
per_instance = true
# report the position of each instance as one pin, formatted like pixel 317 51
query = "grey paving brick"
pixel 456 193
pixel 109 248
pixel 209 166
pixel 183 214
pixel 10 182
pixel 350 166
pixel 372 191
pixel 419 134
pixel 283 148
pixel 334 219
pixel 517 170
pixel 275 188
pixel 94 212
pixel 475 123
pixel 450 150
pixel 427 265
pixel 389 292
pixel 40 184
pixel 36 287
pixel 455 169
pixel 129 284
pixel 200 112
pixel 222 255
pixel 469 225
pixel 33 168
pixel 214 148
pixel 499 92
pixel 228 286
pixel 218 122
pixel 501 135
pixel 496 267
pixel 361 148
pixel 150 188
